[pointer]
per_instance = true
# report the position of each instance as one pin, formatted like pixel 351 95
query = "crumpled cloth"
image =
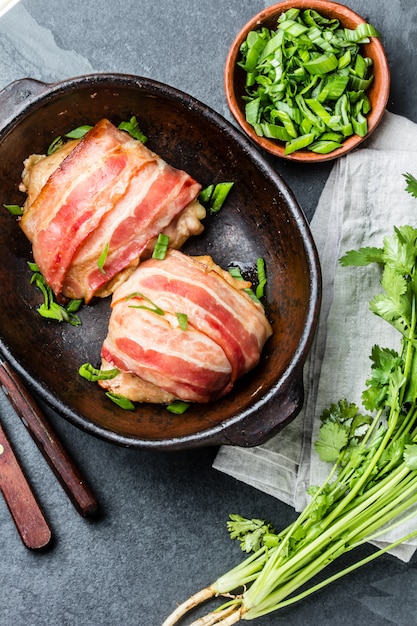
pixel 363 199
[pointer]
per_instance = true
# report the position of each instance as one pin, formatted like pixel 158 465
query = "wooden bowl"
pixel 259 218
pixel 234 77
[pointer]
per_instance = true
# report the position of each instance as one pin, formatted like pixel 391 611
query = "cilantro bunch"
pixel 372 485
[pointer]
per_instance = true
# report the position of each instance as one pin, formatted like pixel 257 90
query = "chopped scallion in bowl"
pixel 307 81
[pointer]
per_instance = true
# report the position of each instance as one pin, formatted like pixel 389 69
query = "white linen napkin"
pixel 363 199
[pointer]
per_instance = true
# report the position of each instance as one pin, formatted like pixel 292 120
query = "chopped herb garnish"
pixel 132 127
pixel 161 247
pixel 260 266
pixel 91 373
pixel 306 81
pixel 14 209
pixel 50 308
pixel 205 195
pixel 102 259
pixel 78 133
pixel 219 195
pixel 236 273
pixel 121 401
pixel 178 407
pixel 55 145
pixel 213 197
pixel 154 307
pixel 182 320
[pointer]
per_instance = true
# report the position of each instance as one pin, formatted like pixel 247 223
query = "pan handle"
pixel 16 96
pixel 275 415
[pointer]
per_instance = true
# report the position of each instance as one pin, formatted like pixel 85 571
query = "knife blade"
pixel 26 512
pixel 47 441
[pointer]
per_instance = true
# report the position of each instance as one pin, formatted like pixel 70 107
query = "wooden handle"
pixel 23 506
pixel 48 443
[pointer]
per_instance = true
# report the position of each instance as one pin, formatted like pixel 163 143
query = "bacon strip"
pixel 110 191
pixel 224 338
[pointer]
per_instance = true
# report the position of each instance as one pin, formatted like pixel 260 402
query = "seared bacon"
pixel 225 333
pixel 109 192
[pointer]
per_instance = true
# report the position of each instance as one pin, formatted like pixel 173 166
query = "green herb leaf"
pixel 121 401
pixel 89 372
pixel 214 196
pixel 236 273
pixel 78 133
pixel 55 145
pixel 410 457
pixel 153 307
pixel 132 127
pixel 411 187
pixel 249 532
pixel 161 247
pixel 178 407
pixel 50 309
pixel 102 258
pixel 182 320
pixel 333 438
pixel 14 209
pixel 364 256
pixel 260 289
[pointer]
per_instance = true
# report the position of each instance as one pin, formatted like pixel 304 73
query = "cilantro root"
pixel 372 485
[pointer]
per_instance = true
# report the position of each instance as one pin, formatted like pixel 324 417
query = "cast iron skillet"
pixel 260 218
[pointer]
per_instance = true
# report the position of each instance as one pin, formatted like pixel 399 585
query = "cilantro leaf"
pixel 410 456
pixel 333 438
pixel 363 256
pixel 399 250
pixel 411 186
pixel 249 532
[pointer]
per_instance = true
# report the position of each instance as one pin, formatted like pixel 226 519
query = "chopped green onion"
pixel 236 273
pixel 102 259
pixel 301 142
pixel 205 195
pixel 182 320
pixel 220 193
pixel 324 146
pixel 178 407
pixel 121 401
pixel 91 373
pixel 132 127
pixel 49 308
pixel 213 197
pixel 55 145
pixel 78 133
pixel 305 78
pixel 154 308
pixel 260 267
pixel 14 209
pixel 161 247
pixel 322 65
pixel 361 33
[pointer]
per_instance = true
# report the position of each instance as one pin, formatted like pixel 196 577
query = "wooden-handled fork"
pixel 23 506
pixel 52 449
